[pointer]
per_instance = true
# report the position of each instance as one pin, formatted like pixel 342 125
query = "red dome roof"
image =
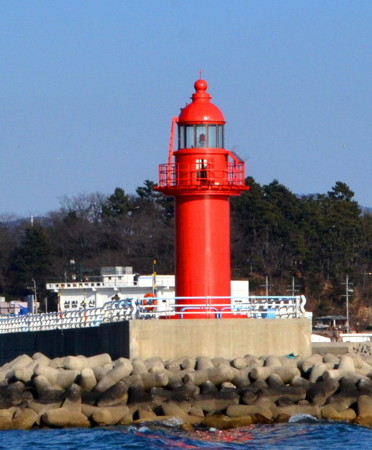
pixel 201 109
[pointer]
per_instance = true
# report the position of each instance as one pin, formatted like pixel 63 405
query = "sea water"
pixel 299 434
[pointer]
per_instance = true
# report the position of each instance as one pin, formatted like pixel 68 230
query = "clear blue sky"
pixel 88 89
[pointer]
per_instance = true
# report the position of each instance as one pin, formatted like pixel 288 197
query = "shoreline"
pixel 78 391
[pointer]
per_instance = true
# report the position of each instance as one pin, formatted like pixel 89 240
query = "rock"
pixel 220 362
pixel 248 397
pixel 138 366
pixel 329 412
pixel 308 362
pixel 285 412
pixel 154 379
pixel 24 419
pixel 346 364
pixel 58 378
pixel 274 393
pixel 188 363
pixel 116 374
pixel 331 358
pixel 145 412
pixel 100 372
pixel 175 378
pixel 57 363
pixel 364 409
pixel 45 392
pixel 257 386
pixel 41 408
pixel 98 360
pixel 289 362
pixel 241 378
pixel 105 416
pixel 116 395
pixel 320 392
pixel 364 386
pixel 215 402
pixel 227 386
pixel 64 417
pixel 274 380
pixel 216 375
pixel 207 387
pixel 272 361
pixel 155 364
pixel 299 381
pixel 87 379
pixel 160 395
pixel 81 362
pixel 239 363
pixel 337 374
pixel 253 361
pixel 196 411
pixel 204 363
pixel 38 359
pixel 137 394
pixel 6 417
pixel 25 374
pixel 285 373
pixel 261 373
pixel 7 371
pixel 222 422
pixel 174 410
pixel 259 414
pixel 11 395
pixel 316 372
pixel 185 392
pixel 72 399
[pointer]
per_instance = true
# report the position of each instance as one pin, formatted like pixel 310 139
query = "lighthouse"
pixel 201 175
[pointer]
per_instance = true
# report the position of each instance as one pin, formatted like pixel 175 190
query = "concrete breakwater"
pixel 78 391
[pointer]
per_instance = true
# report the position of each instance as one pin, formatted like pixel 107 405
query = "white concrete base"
pixel 227 338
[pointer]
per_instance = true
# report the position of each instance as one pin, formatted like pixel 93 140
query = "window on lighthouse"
pixel 200 136
pixel 201 169
pixel 189 136
pixel 212 136
pixel 220 137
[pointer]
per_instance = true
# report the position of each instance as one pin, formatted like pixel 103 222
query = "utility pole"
pixel 34 306
pixel 347 293
pixel 154 277
pixel 293 287
pixel 266 285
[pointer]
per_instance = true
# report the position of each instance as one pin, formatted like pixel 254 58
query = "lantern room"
pixel 201 161
pixel 201 123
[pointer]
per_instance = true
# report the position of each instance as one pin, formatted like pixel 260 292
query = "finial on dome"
pixel 200 85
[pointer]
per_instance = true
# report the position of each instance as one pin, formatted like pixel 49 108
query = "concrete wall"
pixel 226 338
pixel 168 339
pixel 112 338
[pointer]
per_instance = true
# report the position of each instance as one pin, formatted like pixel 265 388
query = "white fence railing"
pixel 257 307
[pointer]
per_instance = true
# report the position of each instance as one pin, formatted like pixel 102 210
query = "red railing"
pixel 172 176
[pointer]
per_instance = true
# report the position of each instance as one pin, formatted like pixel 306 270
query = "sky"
pixel 88 89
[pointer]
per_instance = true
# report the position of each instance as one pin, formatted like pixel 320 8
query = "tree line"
pixel 309 242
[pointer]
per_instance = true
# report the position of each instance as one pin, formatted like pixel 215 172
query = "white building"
pixel 119 283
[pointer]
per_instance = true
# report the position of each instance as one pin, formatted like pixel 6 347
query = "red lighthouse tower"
pixel 201 174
